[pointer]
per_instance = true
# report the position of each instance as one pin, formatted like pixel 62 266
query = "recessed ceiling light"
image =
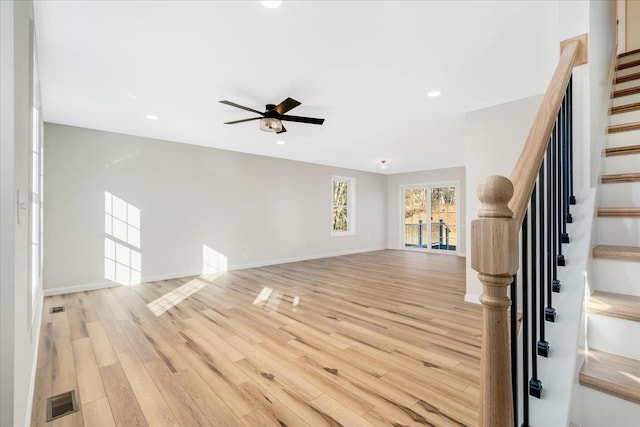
pixel 271 4
pixel 281 142
pixel 131 96
pixel 434 93
pixel 152 117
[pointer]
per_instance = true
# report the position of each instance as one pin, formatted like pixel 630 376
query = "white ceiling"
pixel 364 66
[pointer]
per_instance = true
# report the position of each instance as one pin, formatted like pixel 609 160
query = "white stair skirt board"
pixel 603 410
pixel 618 231
pixel 612 275
pixel 624 100
pixel 623 118
pixel 621 194
pixel 614 335
pixel 628 163
pixel 558 372
pixel 621 139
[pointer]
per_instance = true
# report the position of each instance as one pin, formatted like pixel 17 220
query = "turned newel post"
pixel 494 255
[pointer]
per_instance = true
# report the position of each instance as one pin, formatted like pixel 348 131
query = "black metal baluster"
pixel 569 95
pixel 564 148
pixel 557 197
pixel 545 222
pixel 549 311
pixel 534 387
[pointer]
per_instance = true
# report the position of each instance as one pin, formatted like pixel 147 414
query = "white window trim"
pixel 34 292
pixel 351 206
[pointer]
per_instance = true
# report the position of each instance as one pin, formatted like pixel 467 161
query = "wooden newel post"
pixel 494 255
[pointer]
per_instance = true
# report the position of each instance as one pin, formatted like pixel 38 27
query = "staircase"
pixel 610 375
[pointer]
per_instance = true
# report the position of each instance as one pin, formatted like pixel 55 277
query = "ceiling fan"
pixel 271 120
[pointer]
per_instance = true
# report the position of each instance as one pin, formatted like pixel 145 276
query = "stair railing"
pixel 533 204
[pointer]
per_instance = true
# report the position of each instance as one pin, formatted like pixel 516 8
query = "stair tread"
pixel 631 52
pixel 626 92
pixel 626 127
pixel 627 78
pixel 619 212
pixel 620 151
pixel 620 177
pixel 625 253
pixel 611 374
pixel 615 305
pixel 627 65
pixel 627 108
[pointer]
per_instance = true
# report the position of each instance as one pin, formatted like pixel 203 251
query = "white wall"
pixel 18 339
pixel 494 137
pixel 394 198
pixel 253 210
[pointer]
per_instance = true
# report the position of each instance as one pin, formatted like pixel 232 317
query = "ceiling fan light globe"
pixel 269 124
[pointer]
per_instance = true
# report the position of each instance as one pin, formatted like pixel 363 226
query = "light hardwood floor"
pixel 380 338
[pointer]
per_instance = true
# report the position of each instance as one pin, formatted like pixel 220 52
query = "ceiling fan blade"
pixel 286 105
pixel 243 120
pixel 233 104
pixel 283 130
pixel 310 120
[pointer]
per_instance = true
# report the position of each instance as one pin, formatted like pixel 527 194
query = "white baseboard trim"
pixel 35 341
pixel 80 288
pixel 472 298
pixel 303 258
pixel 169 276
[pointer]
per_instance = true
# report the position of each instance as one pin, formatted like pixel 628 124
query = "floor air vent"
pixel 58 309
pixel 61 405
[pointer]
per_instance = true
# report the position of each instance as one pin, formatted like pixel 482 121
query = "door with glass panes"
pixel 430 217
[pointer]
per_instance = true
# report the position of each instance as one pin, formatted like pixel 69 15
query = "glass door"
pixel 430 217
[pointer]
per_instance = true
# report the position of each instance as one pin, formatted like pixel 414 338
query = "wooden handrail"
pixel 494 241
pixel 525 172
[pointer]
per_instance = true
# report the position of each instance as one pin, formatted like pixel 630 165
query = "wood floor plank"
pixel 214 378
pixel 151 402
pixel 98 414
pixel 378 338
pixel 181 404
pixel 211 405
pixel 63 367
pixel 124 405
pixel 42 391
pixel 334 409
pixel 89 379
pixel 74 419
pixel 101 345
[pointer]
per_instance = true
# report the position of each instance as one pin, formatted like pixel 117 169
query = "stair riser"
pixel 622 118
pixel 627 71
pixel 624 138
pixel 615 276
pixel 623 100
pixel 603 410
pixel 618 231
pixel 613 335
pixel 620 194
pixel 626 85
pixel 629 58
pixel 621 164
